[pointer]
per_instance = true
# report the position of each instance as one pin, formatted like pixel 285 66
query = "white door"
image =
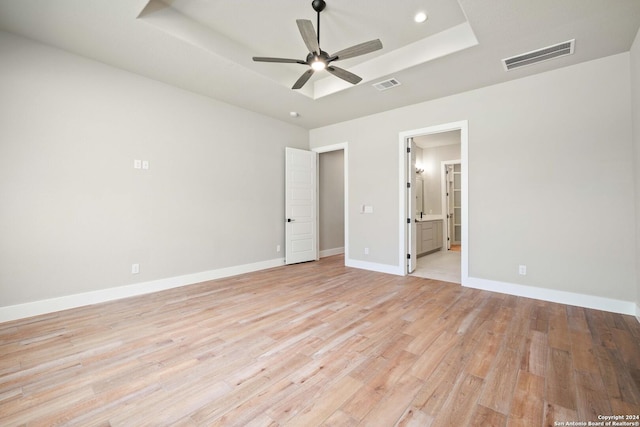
pixel 453 189
pixel 450 211
pixel 301 206
pixel 457 204
pixel 412 243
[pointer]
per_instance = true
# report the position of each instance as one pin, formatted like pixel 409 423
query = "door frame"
pixel 463 127
pixel 325 149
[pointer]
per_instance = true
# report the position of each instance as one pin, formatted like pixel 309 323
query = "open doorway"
pixel 331 203
pixel 437 220
pixel 333 222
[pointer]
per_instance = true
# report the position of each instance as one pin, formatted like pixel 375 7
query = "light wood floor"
pixel 319 344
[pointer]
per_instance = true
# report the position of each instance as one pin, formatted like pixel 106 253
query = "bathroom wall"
pixel 432 159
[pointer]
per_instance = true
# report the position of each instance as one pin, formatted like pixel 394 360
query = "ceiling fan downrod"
pixel 318 6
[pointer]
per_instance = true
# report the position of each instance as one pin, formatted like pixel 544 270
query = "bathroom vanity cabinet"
pixel 429 236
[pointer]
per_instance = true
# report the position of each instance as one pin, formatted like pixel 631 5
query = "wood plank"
pixel 464 394
pixel 413 417
pixel 319 409
pixel 540 317
pixel 452 367
pixel 618 377
pixel 501 381
pixel 558 335
pixel 527 408
pixel 555 415
pixel 628 347
pixel 481 359
pixel 339 419
pixel 433 356
pixel 534 358
pixel 582 353
pixel 394 403
pixel 591 397
pixel 560 385
pixel 485 417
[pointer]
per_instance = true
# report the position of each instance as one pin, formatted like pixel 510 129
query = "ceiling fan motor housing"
pixel 324 56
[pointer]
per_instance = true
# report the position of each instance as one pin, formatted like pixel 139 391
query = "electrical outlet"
pixel 145 164
pixel 366 251
pixel 137 164
pixel 522 270
pixel 135 268
pixel 278 248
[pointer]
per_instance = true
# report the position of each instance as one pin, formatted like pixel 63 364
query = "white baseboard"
pixel 35 308
pixel 372 266
pixel 553 295
pixel 331 252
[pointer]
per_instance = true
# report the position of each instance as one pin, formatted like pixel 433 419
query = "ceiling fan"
pixel 318 59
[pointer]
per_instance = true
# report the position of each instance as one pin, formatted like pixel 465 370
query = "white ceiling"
pixel 205 46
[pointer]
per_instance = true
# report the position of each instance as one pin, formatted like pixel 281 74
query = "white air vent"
pixel 555 51
pixel 387 84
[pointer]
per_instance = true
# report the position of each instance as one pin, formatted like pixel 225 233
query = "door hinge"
pixel 408 256
pixel 408 185
pixel 408 150
pixel 408 220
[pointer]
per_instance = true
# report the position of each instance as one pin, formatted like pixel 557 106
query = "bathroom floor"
pixel 441 265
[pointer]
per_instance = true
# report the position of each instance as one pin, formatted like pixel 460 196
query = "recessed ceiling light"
pixel 294 114
pixel 420 17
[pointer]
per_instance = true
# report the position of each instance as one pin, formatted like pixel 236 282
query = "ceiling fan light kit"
pixel 318 59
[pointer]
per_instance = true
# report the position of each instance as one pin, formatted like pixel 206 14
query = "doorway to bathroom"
pixel 435 219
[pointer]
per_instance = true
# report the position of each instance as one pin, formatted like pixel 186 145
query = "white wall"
pixel 550 179
pixel 635 94
pixel 75 215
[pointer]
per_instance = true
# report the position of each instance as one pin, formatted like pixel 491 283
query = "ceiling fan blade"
pixel 303 79
pixel 344 74
pixel 308 35
pixel 359 49
pixel 284 60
